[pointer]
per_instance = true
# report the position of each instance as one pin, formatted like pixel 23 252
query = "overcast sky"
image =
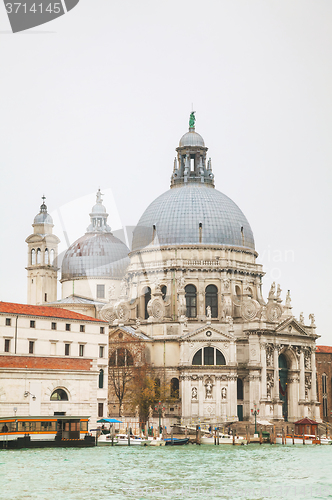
pixel 101 96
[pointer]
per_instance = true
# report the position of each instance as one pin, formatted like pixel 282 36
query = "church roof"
pixel 327 349
pixel 43 311
pixel 76 299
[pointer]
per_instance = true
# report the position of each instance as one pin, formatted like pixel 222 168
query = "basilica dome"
pixel 98 253
pixel 193 212
pixel 175 218
pixel 95 255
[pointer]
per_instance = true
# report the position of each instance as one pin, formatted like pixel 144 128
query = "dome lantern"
pixel 190 165
pixel 98 217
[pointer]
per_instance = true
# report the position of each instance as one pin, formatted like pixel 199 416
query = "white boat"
pixel 122 440
pixel 156 441
pixel 106 440
pixel 325 440
pixel 223 439
pixel 308 439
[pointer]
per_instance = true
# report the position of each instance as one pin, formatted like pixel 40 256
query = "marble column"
pixel 218 397
pixel 313 376
pixel 263 372
pixel 201 397
pixel 232 386
pixel 302 376
pixel 275 391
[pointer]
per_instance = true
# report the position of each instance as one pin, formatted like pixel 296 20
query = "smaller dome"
pixel 191 138
pixel 43 217
pixel 98 209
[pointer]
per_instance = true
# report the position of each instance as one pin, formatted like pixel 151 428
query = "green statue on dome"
pixel 192 119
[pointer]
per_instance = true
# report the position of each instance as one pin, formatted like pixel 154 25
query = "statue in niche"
pixel 208 389
pixel 208 312
pixel 223 393
pixel 194 393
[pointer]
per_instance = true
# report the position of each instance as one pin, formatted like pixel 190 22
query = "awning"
pixel 108 421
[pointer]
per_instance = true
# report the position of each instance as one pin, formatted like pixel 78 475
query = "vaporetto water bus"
pixel 45 432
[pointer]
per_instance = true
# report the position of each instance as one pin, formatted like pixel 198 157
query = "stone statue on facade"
pixel 269 384
pixel 288 299
pixel 121 412
pixel 223 393
pixel 227 283
pixel 301 319
pixel 157 284
pixel 150 412
pixel 181 284
pixel 278 291
pixel 272 290
pixel 208 389
pixel 230 321
pixel 194 393
pixel 312 320
pixel 208 312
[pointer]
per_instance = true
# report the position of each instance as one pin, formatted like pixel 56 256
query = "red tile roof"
pixel 324 348
pixel 45 311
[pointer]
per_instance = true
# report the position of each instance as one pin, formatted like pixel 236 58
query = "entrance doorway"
pixel 283 373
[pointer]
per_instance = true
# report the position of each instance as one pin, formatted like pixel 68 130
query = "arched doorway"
pixel 283 396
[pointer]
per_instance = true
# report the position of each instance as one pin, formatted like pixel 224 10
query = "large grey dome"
pixel 175 216
pixel 95 255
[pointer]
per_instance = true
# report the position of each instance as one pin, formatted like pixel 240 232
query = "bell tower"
pixel 42 259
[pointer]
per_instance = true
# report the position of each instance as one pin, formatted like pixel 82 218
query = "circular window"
pixel 208 334
pixel 120 335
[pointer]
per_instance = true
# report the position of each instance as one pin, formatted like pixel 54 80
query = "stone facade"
pixel 51 361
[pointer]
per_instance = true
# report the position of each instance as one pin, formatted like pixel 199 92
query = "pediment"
pixel 291 326
pixel 127 334
pixel 207 332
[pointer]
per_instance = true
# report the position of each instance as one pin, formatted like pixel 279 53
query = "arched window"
pixel 33 257
pixel 324 383
pixel 211 299
pixel 101 379
pixel 121 357
pixel 38 256
pixel 59 395
pixel 164 291
pixel 46 256
pixel 209 356
pixel 191 301
pixel 175 388
pixel 147 298
pixel 239 388
pixel 52 257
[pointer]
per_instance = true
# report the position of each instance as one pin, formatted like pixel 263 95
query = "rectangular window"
pixel 102 329
pixel 324 407
pixel 31 346
pixel 100 291
pixel 7 345
pixel 67 327
pixel 8 321
pixel 45 299
pixel 81 350
pixel 101 351
pixel 32 323
pixel 67 349
pixel 82 328
pixel 53 326
pixel 100 410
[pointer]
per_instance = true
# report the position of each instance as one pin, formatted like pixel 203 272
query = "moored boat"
pixel 176 441
pixel 156 441
pixel 122 440
pixel 223 439
pixel 45 432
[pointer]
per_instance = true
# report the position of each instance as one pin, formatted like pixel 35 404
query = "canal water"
pixel 179 472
